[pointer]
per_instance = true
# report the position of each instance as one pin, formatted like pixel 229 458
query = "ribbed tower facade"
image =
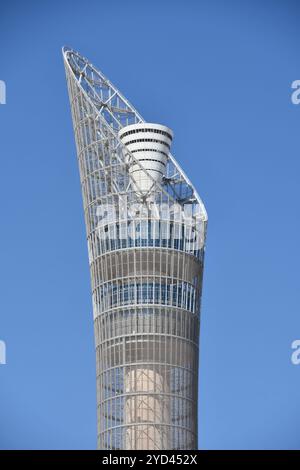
pixel 146 229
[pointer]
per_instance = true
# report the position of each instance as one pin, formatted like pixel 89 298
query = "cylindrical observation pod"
pixel 150 145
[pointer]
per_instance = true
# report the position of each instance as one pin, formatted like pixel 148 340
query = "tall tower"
pixel 146 229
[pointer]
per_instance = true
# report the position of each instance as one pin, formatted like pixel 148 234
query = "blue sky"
pixel 219 74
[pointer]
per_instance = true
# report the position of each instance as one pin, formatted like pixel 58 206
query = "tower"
pixel 146 229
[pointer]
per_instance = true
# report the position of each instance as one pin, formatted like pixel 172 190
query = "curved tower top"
pixel 116 112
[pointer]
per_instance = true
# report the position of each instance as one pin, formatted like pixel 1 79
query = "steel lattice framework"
pixel 146 253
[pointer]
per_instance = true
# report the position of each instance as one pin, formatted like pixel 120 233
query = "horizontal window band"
pixel 151 160
pixel 155 131
pixel 147 140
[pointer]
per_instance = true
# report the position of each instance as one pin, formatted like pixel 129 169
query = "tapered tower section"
pixel 146 230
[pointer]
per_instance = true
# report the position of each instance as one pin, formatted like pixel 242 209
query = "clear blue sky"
pixel 218 73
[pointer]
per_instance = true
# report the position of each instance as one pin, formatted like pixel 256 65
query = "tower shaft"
pixel 146 229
